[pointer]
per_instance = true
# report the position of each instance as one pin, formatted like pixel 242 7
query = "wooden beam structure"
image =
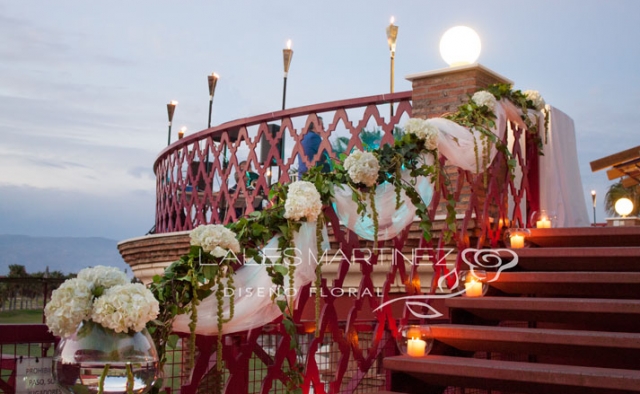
pixel 625 165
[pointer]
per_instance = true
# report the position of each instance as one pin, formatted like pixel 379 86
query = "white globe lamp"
pixel 460 46
pixel 624 206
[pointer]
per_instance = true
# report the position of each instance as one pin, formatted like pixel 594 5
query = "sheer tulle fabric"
pixel 391 221
pixel 253 304
pixel 455 142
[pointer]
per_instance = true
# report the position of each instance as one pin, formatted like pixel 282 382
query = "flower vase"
pixel 96 360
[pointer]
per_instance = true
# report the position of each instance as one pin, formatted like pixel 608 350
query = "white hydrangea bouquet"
pixel 362 167
pixel 424 130
pixel 303 202
pixel 102 295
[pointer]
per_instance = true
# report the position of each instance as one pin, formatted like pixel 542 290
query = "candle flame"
pixel 392 20
pixel 289 44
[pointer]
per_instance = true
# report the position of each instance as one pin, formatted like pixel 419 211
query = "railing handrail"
pixel 292 112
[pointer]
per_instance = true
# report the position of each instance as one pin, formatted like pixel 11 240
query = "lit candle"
pixel 517 241
pixel 473 288
pixel 416 347
pixel 543 223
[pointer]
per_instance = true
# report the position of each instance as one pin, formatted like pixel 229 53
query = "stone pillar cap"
pixel 449 70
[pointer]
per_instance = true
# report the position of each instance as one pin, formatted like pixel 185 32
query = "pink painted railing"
pixel 195 186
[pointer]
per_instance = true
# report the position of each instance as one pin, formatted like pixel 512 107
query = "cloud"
pixel 52 212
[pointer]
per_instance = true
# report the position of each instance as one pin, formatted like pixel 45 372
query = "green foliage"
pixel 482 119
pixel 188 280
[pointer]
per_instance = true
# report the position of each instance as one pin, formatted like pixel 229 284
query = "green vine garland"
pixel 197 274
pixel 482 119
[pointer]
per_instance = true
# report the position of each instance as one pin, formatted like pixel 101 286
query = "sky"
pixel 84 85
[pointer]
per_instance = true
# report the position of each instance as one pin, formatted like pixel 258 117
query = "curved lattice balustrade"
pixel 196 184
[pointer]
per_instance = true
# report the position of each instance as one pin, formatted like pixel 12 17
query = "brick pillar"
pixel 441 91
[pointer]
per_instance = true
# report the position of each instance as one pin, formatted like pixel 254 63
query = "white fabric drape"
pixel 391 221
pixel 253 304
pixel 455 142
pixel 561 192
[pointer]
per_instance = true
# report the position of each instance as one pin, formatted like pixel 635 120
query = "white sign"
pixel 33 376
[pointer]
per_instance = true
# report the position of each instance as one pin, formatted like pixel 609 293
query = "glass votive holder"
pixel 472 283
pixel 543 219
pixel 414 340
pixel 517 238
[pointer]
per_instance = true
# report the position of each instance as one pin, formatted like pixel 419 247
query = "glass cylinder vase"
pixel 96 359
pixel 414 340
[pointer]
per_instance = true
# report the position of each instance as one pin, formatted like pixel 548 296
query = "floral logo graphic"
pixel 478 261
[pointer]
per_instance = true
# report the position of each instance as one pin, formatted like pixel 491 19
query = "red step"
pixel 520 377
pixel 600 314
pixel 600 259
pixel 568 284
pixel 613 349
pixel 585 236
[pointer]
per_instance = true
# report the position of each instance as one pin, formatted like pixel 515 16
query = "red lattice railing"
pixel 195 186
pixel 196 178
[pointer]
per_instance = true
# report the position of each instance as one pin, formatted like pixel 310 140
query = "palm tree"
pixel 618 191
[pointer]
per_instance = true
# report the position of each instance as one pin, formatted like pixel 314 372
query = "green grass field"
pixel 21 316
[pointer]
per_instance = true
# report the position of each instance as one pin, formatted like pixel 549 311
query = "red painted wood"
pixel 191 192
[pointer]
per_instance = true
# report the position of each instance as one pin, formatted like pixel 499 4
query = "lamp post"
pixel 459 46
pixel 593 199
pixel 213 81
pixel 287 54
pixel 623 207
pixel 171 107
pixel 392 35
pixel 181 132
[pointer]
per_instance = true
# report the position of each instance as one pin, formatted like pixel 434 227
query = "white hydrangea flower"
pixel 215 239
pixel 484 98
pixel 303 201
pixel 125 307
pixel 102 276
pixel 70 304
pixel 424 130
pixel 536 98
pixel 362 167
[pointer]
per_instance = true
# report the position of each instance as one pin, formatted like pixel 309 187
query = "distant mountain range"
pixel 66 254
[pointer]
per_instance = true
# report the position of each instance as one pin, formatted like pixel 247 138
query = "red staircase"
pixel 565 320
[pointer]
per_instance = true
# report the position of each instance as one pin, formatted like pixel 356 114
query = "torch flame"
pixel 392 20
pixel 289 44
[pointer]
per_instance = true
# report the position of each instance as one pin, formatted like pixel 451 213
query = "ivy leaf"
pixel 282 304
pixel 210 271
pixel 281 269
pixel 172 341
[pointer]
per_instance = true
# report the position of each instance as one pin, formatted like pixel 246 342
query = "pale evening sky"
pixel 84 85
